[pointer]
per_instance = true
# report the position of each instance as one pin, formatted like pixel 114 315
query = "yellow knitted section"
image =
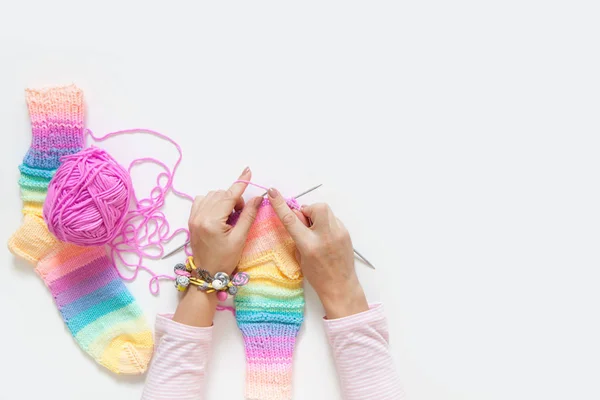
pixel 32 241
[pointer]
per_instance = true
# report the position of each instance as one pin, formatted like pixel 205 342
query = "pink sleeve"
pixel 362 357
pixel 179 365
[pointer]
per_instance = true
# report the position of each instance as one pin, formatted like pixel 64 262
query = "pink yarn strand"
pixel 226 308
pixel 146 229
pixel 141 231
pixel 290 201
pixel 252 184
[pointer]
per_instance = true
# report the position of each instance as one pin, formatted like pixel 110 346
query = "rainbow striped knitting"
pixel 101 314
pixel 270 308
pixel 57 129
pixel 96 306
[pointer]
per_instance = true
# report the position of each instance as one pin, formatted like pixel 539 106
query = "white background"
pixel 457 140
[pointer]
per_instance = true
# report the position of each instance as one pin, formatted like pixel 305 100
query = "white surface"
pixel 457 140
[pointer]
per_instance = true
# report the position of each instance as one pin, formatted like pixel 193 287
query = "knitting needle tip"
pixel 364 259
pixel 174 251
pixel 309 190
pixel 301 194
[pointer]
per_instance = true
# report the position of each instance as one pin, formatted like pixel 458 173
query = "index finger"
pixel 237 189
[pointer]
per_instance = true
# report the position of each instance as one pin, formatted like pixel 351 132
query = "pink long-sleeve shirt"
pixel 359 344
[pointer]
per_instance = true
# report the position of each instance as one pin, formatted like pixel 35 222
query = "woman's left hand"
pixel 216 245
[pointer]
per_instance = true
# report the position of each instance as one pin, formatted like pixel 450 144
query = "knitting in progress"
pixel 270 308
pixel 87 200
pixel 101 314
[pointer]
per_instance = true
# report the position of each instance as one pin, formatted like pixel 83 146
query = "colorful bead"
pixel 217 284
pixel 232 290
pixel 240 279
pixel 222 296
pixel 223 277
pixel 182 281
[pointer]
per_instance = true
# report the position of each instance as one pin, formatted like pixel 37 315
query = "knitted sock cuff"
pixel 57 125
pixel 269 353
pixel 269 315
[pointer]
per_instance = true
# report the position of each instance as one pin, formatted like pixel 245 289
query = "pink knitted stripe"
pixel 284 353
pixel 265 241
pixel 85 271
pixel 65 139
pixel 264 213
pixel 65 295
pixel 275 363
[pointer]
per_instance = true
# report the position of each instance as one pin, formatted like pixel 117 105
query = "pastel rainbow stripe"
pixel 101 314
pixel 270 308
pixel 57 120
pixel 56 123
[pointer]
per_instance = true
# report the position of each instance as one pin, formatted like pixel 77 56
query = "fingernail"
pixel 303 206
pixel 246 170
pixel 273 193
pixel 256 201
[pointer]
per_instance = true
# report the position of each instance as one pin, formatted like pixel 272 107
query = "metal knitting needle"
pixel 301 194
pixel 367 262
pixel 188 242
pixel 364 259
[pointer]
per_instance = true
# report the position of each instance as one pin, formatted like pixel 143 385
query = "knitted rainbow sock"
pixel 96 306
pixel 57 129
pixel 101 314
pixel 270 308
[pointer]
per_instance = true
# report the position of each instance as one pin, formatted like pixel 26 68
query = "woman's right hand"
pixel 326 255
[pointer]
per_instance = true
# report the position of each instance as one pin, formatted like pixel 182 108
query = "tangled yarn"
pixel 88 198
pixel 145 230
pixel 91 202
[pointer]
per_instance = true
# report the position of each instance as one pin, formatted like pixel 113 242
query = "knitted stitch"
pixel 270 308
pixel 101 314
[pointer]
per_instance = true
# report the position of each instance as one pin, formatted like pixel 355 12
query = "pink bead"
pixel 222 296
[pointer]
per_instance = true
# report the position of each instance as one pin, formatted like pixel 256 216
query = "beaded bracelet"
pixel 188 274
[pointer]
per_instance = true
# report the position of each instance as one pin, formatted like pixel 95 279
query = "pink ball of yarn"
pixel 88 198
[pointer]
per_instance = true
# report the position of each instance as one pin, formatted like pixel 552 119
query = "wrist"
pixel 214 267
pixel 344 300
pixel 196 308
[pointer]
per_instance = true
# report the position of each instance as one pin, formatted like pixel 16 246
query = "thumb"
pixel 246 219
pixel 302 218
pixel 290 221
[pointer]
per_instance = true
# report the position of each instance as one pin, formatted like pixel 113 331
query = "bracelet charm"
pixel 188 274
